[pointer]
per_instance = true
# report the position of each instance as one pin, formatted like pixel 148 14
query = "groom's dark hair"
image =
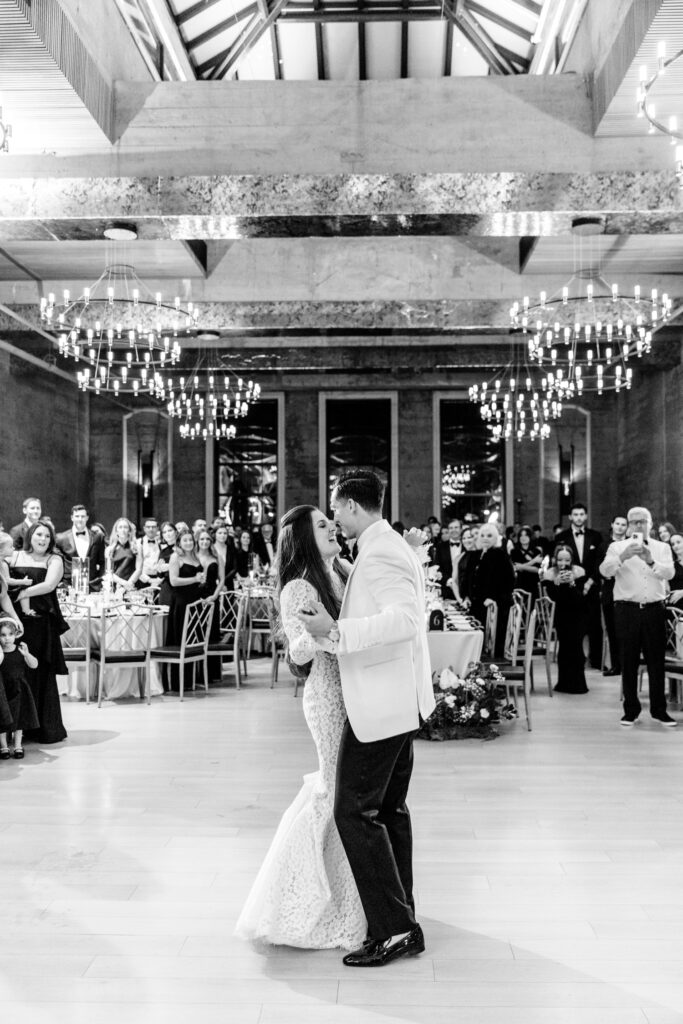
pixel 362 486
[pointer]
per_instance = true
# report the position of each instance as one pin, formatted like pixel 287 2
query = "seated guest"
pixel 150 551
pixel 676 581
pixel 126 560
pixel 264 545
pixel 80 542
pixel 665 532
pixel 640 567
pixel 564 584
pixel 526 557
pixel 493 579
pixel 32 510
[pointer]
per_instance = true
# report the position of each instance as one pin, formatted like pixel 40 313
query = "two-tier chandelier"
pixel 646 106
pixel 123 336
pixel 513 402
pixel 208 401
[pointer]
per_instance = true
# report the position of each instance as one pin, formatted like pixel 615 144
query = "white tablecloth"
pixel 119 681
pixel 454 649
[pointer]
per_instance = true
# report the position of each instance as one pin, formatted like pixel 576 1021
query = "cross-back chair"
pixel 192 649
pixel 231 610
pixel 77 641
pixel 125 640
pixel 519 678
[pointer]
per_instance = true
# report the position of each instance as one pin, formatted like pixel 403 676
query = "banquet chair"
pixel 546 641
pixel 673 663
pixel 193 646
pixel 261 617
pixel 77 641
pixel 519 678
pixel 231 611
pixel 125 640
pixel 523 598
pixel 490 630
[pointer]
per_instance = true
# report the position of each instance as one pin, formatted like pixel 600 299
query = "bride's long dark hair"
pixel 298 557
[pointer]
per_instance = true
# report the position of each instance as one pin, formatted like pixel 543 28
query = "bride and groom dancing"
pixel 339 870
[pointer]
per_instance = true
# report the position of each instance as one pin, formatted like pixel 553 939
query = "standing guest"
pixel 466 563
pixel 563 582
pixel 169 538
pixel 6 606
pixel 526 557
pixel 493 579
pixel 640 568
pixel 20 707
pixel 588 552
pixel 449 556
pixel 80 542
pixel 245 559
pixel 187 576
pixel 665 532
pixel 263 545
pixel 198 524
pixel 224 549
pixel 32 510
pixel 618 528
pixel 150 551
pixel 126 560
pixel 539 540
pixel 43 626
pixel 676 581
pixel 210 592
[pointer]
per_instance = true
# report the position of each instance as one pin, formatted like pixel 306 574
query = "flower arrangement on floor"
pixel 468 707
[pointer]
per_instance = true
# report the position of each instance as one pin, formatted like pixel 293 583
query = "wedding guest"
pixel 43 626
pixel 169 539
pixel 676 582
pixel 640 567
pixel 466 563
pixel 198 524
pixel 186 576
pixel 665 532
pixel 588 552
pixel 6 607
pixel 539 540
pixel 150 552
pixel 526 557
pixel 245 559
pixel 15 691
pixel 618 528
pixel 224 549
pixel 126 560
pixel 563 581
pixel 33 510
pixel 210 592
pixel 493 579
pixel 263 545
pixel 80 542
pixel 448 552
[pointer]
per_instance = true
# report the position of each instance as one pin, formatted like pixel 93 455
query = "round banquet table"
pixel 119 681
pixel 454 648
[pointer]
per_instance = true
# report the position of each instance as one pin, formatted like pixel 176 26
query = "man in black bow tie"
pixel 80 542
pixel 588 551
pixel 447 555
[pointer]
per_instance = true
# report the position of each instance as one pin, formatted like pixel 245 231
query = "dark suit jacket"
pixel 492 577
pixel 444 560
pixel 258 546
pixel 66 545
pixel 18 535
pixel 593 552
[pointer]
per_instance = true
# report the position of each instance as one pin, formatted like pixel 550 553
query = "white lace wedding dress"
pixel 304 894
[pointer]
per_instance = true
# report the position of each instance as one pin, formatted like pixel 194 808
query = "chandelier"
pixel 646 108
pixel 454 480
pixel 513 403
pixel 5 133
pixel 208 402
pixel 124 336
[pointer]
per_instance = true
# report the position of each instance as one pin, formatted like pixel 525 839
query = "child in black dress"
pixel 17 707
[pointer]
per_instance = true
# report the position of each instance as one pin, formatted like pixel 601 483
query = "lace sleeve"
pixel 295 596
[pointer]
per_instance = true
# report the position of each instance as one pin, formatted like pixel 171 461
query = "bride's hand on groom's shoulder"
pixel 316 619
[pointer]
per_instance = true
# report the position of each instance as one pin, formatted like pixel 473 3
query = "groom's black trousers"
pixel 374 824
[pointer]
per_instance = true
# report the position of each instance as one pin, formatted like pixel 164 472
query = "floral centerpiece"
pixel 468 707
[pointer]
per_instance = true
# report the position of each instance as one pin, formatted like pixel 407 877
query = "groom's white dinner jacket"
pixel 383 654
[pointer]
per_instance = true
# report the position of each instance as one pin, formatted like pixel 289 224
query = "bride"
pixel 304 894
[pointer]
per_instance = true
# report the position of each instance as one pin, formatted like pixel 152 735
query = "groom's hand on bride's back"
pixel 316 619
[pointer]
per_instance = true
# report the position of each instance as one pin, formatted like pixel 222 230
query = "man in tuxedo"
pixel 80 542
pixel 263 545
pixel 151 549
pixel 588 551
pixel 32 510
pixel 448 554
pixel 381 643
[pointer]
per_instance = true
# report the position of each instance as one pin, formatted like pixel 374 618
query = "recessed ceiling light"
pixel 119 231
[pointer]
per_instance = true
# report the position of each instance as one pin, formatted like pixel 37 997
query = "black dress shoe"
pixel 611 671
pixel 5 754
pixel 379 952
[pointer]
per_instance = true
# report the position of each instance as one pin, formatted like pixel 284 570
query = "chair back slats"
pixel 513 632
pixel 196 625
pixel 490 629
pixel 674 631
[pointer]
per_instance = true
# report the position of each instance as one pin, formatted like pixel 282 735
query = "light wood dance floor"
pixel 549 871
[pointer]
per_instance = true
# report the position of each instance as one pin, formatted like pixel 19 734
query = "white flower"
pixel 448 679
pixel 494 668
pixel 449 699
pixel 483 713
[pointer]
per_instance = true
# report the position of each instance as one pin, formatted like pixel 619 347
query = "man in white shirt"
pixel 640 567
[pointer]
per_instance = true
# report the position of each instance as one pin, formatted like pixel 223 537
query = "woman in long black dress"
pixel 21 714
pixel 125 558
pixel 187 576
pixel 224 549
pixel 43 625
pixel 169 539
pixel 526 556
pixel 493 579
pixel 564 583
pixel 211 594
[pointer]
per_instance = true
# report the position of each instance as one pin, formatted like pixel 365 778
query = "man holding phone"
pixel 640 567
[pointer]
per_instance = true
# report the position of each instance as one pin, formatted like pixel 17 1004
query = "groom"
pixel 381 644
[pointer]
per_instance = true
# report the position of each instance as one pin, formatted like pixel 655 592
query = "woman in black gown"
pixel 564 583
pixel 125 558
pixel 187 577
pixel 43 625
pixel 493 579
pixel 526 556
pixel 211 594
pixel 169 539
